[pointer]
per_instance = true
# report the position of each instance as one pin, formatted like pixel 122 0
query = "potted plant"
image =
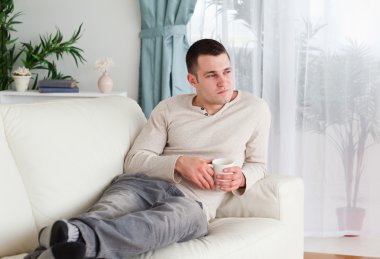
pixel 21 78
pixel 34 56
pixel 8 55
pixel 337 98
pixel 40 56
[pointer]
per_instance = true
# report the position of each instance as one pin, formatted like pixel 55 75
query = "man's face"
pixel 213 81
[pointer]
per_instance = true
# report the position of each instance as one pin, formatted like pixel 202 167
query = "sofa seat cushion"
pixel 20 256
pixel 230 238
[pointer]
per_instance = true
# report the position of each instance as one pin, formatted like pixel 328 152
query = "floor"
pixel 333 256
pixel 360 247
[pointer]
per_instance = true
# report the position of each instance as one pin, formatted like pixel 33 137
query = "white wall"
pixel 110 29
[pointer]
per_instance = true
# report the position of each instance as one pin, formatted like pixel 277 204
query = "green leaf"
pixel 51 46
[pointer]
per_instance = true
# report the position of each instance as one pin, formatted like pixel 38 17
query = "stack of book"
pixel 58 86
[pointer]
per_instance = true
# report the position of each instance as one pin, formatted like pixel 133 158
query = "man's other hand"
pixel 232 181
pixel 196 170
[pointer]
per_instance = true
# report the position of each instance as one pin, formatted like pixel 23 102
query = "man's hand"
pixel 196 170
pixel 235 181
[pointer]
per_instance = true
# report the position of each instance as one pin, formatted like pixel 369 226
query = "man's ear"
pixel 192 79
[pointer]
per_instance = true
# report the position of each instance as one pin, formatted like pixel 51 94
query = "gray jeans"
pixel 137 214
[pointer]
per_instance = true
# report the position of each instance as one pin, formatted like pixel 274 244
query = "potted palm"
pixel 8 52
pixel 337 97
pixel 21 78
pixel 39 56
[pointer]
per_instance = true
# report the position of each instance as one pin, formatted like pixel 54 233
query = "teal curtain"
pixel 163 49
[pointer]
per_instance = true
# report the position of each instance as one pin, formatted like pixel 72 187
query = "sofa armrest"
pixel 275 196
pixel 278 197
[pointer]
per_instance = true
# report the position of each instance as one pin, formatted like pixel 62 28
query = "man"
pixel 168 192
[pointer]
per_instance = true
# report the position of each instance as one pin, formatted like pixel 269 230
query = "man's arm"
pixel 254 167
pixel 145 155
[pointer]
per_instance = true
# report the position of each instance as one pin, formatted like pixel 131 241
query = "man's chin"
pixel 227 98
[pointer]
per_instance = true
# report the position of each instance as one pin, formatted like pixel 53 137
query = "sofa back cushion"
pixel 68 151
pixel 16 218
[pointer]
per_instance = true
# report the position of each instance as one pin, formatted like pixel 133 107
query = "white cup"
pixel 219 165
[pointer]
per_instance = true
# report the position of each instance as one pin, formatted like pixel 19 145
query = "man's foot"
pixel 66 250
pixel 61 231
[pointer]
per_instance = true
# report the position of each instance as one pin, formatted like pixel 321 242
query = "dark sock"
pixel 65 250
pixel 60 231
pixel 69 250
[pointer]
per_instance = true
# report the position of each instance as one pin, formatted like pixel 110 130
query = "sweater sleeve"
pixel 255 164
pixel 145 156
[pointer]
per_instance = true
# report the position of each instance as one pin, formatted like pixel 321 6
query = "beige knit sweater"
pixel 238 131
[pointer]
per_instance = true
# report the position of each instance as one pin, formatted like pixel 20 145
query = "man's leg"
pixel 131 194
pixel 126 194
pixel 120 198
pixel 174 219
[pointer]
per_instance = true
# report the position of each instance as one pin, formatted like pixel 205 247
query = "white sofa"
pixel 56 157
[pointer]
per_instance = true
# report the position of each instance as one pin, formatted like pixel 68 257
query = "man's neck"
pixel 212 109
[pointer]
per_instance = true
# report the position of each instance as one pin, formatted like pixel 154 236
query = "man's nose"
pixel 222 80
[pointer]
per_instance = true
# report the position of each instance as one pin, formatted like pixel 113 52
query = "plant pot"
pixel 105 83
pixel 21 83
pixel 350 220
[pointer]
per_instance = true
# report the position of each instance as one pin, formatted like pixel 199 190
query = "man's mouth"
pixel 223 91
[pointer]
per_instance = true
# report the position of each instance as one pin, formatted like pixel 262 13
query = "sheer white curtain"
pixel 317 64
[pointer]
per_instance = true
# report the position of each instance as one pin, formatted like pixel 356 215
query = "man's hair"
pixel 202 47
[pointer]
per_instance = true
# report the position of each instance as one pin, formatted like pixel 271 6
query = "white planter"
pixel 350 220
pixel 21 83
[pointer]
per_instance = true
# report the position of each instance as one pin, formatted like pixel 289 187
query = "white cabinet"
pixel 34 96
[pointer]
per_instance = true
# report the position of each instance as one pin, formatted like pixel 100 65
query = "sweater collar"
pixel 203 111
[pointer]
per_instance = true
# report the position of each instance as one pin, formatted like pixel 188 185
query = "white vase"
pixel 105 83
pixel 21 83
